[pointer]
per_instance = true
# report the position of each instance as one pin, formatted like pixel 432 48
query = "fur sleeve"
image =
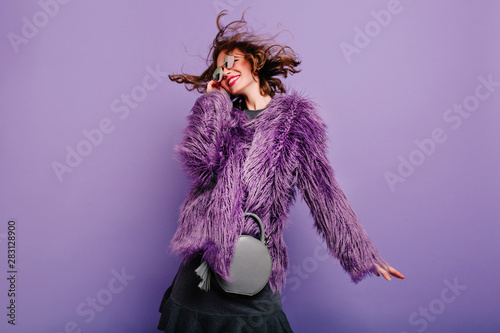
pixel 200 150
pixel 334 218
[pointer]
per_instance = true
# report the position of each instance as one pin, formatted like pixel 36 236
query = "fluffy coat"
pixel 240 165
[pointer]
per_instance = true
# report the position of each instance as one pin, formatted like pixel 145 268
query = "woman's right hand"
pixel 213 85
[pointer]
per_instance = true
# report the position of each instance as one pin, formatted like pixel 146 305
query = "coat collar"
pixel 268 114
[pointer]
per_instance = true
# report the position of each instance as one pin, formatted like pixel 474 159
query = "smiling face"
pixel 238 80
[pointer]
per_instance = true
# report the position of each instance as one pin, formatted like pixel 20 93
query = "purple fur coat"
pixel 255 166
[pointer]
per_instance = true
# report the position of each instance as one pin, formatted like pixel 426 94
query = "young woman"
pixel 248 147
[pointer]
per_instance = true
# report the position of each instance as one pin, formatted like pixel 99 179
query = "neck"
pixel 258 102
pixel 255 101
pixel 253 98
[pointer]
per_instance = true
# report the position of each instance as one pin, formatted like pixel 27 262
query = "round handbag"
pixel 251 266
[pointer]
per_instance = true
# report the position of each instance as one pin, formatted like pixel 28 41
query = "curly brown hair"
pixel 267 57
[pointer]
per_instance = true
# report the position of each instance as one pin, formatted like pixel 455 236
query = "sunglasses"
pixel 228 63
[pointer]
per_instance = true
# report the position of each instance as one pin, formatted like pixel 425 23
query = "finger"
pixel 384 272
pixel 211 86
pixel 394 272
pixel 386 275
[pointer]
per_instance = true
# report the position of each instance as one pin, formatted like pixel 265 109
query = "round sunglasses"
pixel 219 72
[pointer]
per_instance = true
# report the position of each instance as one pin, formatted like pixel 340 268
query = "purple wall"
pixel 410 91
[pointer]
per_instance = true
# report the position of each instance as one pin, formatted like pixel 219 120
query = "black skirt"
pixel 186 308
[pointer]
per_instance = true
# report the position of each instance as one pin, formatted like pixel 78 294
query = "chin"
pixel 233 92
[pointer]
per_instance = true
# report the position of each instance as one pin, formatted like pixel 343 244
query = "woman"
pixel 248 146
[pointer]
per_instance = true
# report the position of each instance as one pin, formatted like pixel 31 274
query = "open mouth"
pixel 232 80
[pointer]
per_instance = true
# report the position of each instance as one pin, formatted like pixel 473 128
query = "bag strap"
pixel 263 237
pixel 261 226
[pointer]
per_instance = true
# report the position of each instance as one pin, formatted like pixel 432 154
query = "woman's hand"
pixel 214 85
pixel 388 270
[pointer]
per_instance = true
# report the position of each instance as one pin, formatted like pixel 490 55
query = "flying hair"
pixel 268 58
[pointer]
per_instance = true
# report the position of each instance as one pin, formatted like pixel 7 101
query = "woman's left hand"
pixel 388 270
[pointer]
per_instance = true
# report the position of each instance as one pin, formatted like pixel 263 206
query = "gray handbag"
pixel 250 268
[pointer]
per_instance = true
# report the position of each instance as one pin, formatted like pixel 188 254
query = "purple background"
pixel 117 210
